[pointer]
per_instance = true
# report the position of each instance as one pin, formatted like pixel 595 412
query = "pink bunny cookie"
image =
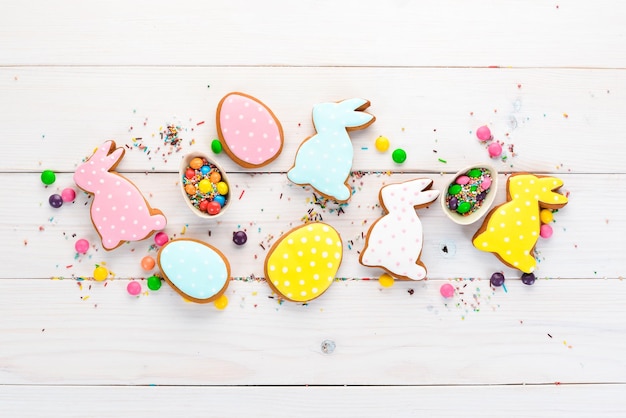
pixel 119 211
pixel 394 241
pixel 324 160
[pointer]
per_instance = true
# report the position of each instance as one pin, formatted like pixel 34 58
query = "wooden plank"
pixel 352 33
pixel 266 206
pixel 55 116
pixel 275 402
pixel 57 332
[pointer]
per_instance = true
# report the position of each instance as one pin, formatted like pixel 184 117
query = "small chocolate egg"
pixel 249 131
pixel 196 270
pixel 303 263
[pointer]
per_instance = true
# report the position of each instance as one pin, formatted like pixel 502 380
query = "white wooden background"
pixel 549 79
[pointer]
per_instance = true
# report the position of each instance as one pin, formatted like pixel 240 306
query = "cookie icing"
pixel 196 270
pixel 394 241
pixel 511 230
pixel 249 130
pixel 324 160
pixel 119 211
pixel 303 263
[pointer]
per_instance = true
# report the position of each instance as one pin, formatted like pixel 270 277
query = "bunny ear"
pixel 352 115
pixel 354 104
pixel 114 157
pixel 548 194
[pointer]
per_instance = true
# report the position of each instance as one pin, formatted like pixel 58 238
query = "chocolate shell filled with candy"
pixel 204 185
pixel 470 195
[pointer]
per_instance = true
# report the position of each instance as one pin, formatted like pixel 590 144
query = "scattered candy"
pixel 154 283
pixel 528 279
pixel 382 143
pixel 161 239
pixel 483 133
pixel 546 216
pixel 399 155
pixel 497 279
pixel 446 290
pixel 468 191
pixel 48 177
pixel 133 288
pixel 495 149
pixel 221 302
pixel 216 146
pixel 100 274
pixel 68 194
pixel 56 201
pixel 82 246
pixel 545 231
pixel 203 183
pixel 147 263
pixel 240 237
pixel 385 280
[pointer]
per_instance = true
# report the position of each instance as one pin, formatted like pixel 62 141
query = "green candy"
pixel 454 189
pixel 216 146
pixel 399 156
pixel 474 173
pixel 48 177
pixel 154 282
pixel 464 207
pixel 473 188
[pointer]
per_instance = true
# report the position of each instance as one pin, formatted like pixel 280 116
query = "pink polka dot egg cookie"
pixel 249 131
pixel 204 185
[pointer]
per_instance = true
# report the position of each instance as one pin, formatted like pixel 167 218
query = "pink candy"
pixel 495 149
pixel 462 180
pixel 161 238
pixel 545 231
pixel 133 288
pixel 483 133
pixel 486 183
pixel 68 194
pixel 82 246
pixel 446 290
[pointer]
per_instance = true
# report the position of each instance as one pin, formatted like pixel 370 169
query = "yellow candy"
pixel 222 188
pixel 386 280
pixel 382 143
pixel 546 216
pixel 221 302
pixel 100 274
pixel 204 186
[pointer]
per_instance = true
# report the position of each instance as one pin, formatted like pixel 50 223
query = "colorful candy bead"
pixel 100 274
pixel 497 279
pixel 216 146
pixel 154 282
pixel 81 246
pixel 240 237
pixel 55 200
pixel 398 155
pixel 161 238
pixel 545 231
pixel 133 288
pixel 48 177
pixel 528 279
pixel 494 149
pixel 483 133
pixel 546 216
pixel 468 191
pixel 385 280
pixel 147 263
pixel 196 163
pixel 382 143
pixel 68 194
pixel 446 290
pixel 221 303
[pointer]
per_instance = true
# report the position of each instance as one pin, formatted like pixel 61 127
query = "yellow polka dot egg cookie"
pixel 303 263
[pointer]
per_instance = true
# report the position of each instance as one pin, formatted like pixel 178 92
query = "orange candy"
pixel 196 163
pixel 215 177
pixel 190 189
pixel 147 263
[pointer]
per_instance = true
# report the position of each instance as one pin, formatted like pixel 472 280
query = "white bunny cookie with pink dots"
pixel 119 211
pixel 394 242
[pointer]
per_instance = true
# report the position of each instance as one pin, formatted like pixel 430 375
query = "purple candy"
pixel 56 201
pixel 497 279
pixel 453 203
pixel 528 278
pixel 240 237
pixel 481 196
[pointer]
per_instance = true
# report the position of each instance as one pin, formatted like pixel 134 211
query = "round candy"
pixel 204 186
pixel 475 173
pixel 446 290
pixel 161 238
pixel 528 278
pixel 483 133
pixel 220 199
pixel 221 302
pixel 462 180
pixel 133 288
pixel 453 203
pixel 464 207
pixel 222 188
pixel 213 208
pixel 382 143
pixel 497 279
pixel 68 194
pixel 545 231
pixel 205 169
pixel 147 263
pixel 386 280
pixel 56 201
pixel 81 246
pixel 495 149
pixel 216 146
pixel 240 237
pixel 190 173
pixel 154 282
pixel 203 205
pixel 48 177
pixel 190 189
pixel 100 274
pixel 399 155
pixel 546 216
pixel 486 183
pixel 215 177
pixel 454 189
pixel 196 163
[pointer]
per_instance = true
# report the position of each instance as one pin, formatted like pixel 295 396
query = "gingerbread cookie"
pixel 303 263
pixel 249 131
pixel 511 230
pixel 394 242
pixel 119 212
pixel 324 160
pixel 197 271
